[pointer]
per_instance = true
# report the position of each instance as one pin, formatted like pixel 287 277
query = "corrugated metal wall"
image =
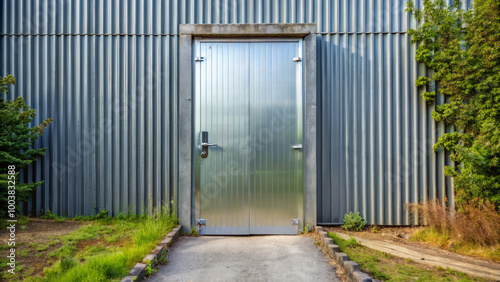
pixel 106 71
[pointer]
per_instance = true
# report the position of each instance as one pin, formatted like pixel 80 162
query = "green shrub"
pixel 103 214
pixel 354 222
pixel 48 215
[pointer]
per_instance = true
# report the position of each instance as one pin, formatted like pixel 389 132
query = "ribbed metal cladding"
pixel 109 144
pixel 107 72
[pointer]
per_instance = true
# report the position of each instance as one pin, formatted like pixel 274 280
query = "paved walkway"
pixel 246 258
pixel 432 257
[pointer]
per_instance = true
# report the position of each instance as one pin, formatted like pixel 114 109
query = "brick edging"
pixel 351 268
pixel 138 272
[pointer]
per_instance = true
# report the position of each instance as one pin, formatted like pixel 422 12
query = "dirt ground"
pixel 398 235
pixel 37 231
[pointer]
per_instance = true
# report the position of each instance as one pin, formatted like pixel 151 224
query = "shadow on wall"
pixel 376 131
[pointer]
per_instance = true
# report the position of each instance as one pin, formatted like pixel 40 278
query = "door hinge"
pixel 295 221
pixel 297 59
pixel 199 59
pixel 200 221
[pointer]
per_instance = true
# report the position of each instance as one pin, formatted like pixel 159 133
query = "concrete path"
pixel 246 258
pixel 457 262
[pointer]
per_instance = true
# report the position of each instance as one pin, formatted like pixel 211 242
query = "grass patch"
pixel 23 253
pixel 444 240
pixel 98 260
pixel 89 251
pixel 42 247
pixel 387 267
pixel 64 251
pixel 54 242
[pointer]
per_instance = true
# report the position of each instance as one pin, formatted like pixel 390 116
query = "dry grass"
pixel 473 230
pixel 476 222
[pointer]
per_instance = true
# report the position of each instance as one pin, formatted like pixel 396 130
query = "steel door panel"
pixel 275 126
pixel 248 99
pixel 224 114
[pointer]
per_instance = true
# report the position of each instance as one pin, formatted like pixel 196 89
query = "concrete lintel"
pixel 232 30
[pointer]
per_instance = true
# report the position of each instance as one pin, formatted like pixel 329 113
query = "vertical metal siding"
pixel 107 72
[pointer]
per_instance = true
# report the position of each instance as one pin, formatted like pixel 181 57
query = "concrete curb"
pixel 351 268
pixel 138 272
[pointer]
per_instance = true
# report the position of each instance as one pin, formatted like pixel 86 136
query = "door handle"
pixel 205 144
pixel 297 147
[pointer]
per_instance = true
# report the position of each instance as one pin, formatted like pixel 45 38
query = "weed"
pixel 23 220
pixel 23 253
pixel 3 262
pixel 354 222
pixel 29 272
pixel 41 247
pixel 54 242
pixel 149 269
pixel 48 215
pixel 120 216
pixel 375 229
pixel 193 232
pixel 103 214
pixel 306 227
pixel 4 247
pixel 22 227
pixel 162 257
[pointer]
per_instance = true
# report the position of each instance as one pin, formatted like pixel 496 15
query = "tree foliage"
pixel 16 139
pixel 463 50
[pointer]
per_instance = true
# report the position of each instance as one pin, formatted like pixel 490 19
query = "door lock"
pixel 205 144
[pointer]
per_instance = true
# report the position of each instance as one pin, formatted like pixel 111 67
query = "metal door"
pixel 248 124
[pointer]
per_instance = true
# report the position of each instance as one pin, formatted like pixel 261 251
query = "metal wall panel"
pixel 109 144
pixel 107 72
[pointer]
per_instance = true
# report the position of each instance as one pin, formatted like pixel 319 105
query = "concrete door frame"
pixel 185 173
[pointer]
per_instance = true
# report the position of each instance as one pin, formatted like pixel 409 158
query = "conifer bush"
pixel 16 143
